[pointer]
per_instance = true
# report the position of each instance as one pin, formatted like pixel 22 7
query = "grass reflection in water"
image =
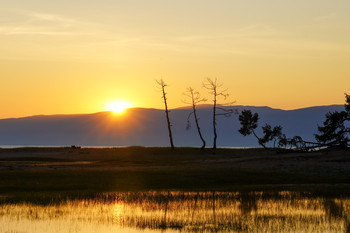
pixel 182 212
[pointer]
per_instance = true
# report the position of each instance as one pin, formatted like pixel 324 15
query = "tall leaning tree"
pixel 162 86
pixel 215 89
pixel 195 98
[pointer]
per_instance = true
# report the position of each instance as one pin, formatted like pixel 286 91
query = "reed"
pixel 182 211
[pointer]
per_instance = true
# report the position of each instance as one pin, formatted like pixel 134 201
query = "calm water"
pixel 182 212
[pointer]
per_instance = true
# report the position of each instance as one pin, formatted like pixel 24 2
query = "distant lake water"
pixel 50 146
pixel 181 212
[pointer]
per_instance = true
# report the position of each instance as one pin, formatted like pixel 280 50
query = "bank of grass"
pixel 134 153
pixel 24 175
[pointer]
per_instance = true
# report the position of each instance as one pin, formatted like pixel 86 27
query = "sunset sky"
pixel 75 56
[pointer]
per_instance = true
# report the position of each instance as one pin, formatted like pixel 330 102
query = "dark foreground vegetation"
pixel 49 173
pixel 334 133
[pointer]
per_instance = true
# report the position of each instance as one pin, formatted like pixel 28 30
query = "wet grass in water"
pixel 182 211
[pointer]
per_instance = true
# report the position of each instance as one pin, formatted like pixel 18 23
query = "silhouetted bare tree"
pixel 162 86
pixel 195 99
pixel 215 89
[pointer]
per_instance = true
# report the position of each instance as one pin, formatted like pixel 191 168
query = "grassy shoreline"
pixel 27 173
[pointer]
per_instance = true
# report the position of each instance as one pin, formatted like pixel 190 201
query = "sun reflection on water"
pixel 118 213
pixel 182 212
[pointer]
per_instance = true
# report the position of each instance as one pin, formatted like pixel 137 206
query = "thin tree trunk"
pixel 214 121
pixel 198 129
pixel 259 140
pixel 168 120
pixel 197 123
pixel 212 86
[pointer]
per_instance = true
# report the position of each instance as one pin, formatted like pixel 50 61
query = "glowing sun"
pixel 117 106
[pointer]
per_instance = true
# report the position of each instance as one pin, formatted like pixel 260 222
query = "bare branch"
pixel 188 125
pixel 227 112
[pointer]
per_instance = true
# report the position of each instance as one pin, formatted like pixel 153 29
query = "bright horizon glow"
pixel 117 106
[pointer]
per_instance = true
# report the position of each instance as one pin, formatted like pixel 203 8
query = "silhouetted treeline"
pixel 333 134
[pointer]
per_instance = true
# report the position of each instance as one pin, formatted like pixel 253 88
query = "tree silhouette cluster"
pixel 215 90
pixel 333 134
pixel 335 130
pixel 249 122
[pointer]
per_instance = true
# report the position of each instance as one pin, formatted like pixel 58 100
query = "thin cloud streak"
pixel 37 23
pixel 52 18
pixel 324 17
pixel 38 31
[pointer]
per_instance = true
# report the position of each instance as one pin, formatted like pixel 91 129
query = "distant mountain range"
pixel 147 127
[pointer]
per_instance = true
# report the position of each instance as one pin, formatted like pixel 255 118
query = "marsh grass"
pixel 182 212
pixel 108 190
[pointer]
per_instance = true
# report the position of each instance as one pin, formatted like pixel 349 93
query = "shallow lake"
pixel 181 212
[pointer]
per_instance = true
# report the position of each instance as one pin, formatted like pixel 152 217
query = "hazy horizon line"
pixel 177 108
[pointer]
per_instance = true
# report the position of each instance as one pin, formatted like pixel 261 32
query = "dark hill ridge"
pixel 147 127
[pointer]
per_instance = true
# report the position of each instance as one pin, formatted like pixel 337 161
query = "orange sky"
pixel 76 56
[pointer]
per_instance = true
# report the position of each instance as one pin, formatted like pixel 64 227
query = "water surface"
pixel 181 212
